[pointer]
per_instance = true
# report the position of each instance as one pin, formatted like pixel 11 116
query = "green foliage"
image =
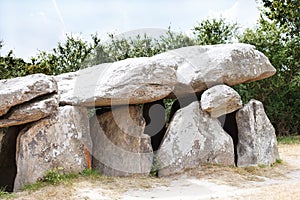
pixel 120 48
pixel 57 175
pixel 173 40
pixel 2 192
pixel 285 13
pixel 68 56
pixel 215 31
pixel 90 173
pixel 6 195
pixel 11 67
pixel 280 93
pixel 155 166
pixel 52 177
pixel 262 166
pixel 168 105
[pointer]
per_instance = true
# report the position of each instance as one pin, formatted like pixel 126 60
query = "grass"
pixel 155 167
pixel 54 177
pixel 292 139
pixel 278 162
pixel 6 195
pixel 90 173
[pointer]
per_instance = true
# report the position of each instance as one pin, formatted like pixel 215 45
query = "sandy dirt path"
pixel 281 181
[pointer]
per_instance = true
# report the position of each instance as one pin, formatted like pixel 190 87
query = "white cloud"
pixel 229 14
pixel 244 12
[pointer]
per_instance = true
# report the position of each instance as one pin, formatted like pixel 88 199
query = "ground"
pixel 281 181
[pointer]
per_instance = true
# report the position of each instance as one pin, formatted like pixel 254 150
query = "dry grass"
pixel 108 186
pixel 102 187
pixel 235 176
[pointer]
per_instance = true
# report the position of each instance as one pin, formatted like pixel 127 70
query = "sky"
pixel 30 26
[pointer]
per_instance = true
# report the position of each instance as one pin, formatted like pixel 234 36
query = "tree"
pixel 67 57
pixel 119 48
pixel 284 12
pixel 280 93
pixel 11 67
pixel 215 31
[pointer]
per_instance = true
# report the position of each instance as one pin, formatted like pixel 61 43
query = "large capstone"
pixel 200 67
pixel 31 111
pixel 19 90
pixel 177 73
pixel 129 81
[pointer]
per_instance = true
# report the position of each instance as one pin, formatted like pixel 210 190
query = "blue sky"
pixel 32 25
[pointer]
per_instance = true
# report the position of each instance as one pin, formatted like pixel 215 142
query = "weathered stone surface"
pixel 200 67
pixel 120 147
pixel 66 86
pixel 130 81
pixel 220 100
pixel 8 168
pixel 57 141
pixel 257 142
pixel 193 138
pixel 30 111
pixel 144 80
pixel 19 90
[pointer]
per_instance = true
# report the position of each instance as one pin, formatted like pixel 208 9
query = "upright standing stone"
pixel 193 138
pixel 120 147
pixel 257 142
pixel 57 141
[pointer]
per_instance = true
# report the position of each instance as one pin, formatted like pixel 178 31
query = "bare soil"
pixel 281 181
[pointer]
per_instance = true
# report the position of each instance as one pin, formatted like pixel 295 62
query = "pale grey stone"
pixel 19 90
pixel 257 144
pixel 200 67
pixel 130 81
pixel 175 73
pixel 57 141
pixel 120 147
pixel 30 111
pixel 192 139
pixel 220 100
